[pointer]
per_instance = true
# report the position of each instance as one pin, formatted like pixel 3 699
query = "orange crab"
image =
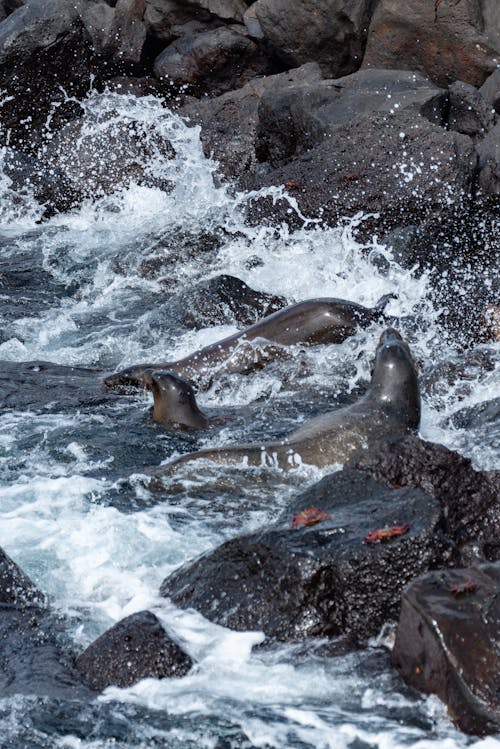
pixel 311 516
pixel 461 589
pixel 386 534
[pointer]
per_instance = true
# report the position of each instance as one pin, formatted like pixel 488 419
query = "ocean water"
pixel 99 287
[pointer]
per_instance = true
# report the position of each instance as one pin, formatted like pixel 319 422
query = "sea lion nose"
pixel 390 334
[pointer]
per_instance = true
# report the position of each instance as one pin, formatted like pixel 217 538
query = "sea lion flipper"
pixel 383 302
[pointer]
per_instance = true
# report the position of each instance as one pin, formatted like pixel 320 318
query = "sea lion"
pixel 310 322
pixel 390 409
pixel 175 401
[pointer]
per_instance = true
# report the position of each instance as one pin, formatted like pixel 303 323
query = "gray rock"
pixel 490 90
pixel 229 122
pixel 252 23
pixel 446 41
pixel 229 10
pixel 210 61
pixel 117 33
pixel 322 580
pixel 469 112
pixel 164 18
pixel 489 161
pixel 447 643
pixel 329 32
pixel 135 648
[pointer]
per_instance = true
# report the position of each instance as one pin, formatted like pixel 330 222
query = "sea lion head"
pixel 174 401
pixel 394 382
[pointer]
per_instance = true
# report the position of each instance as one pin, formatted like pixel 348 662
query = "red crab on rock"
pixel 386 534
pixel 311 516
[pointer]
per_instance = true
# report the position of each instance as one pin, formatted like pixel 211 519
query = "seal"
pixel 389 409
pixel 310 322
pixel 175 402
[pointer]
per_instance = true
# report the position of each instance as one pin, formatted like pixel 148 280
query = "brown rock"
pixel 447 40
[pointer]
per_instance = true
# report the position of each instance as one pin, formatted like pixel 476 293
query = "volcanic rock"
pixel 211 61
pixel 329 32
pixel 135 648
pixel 447 41
pixel 470 499
pixel 447 643
pixel 322 580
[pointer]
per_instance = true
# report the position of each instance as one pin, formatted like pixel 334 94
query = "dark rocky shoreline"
pixel 345 112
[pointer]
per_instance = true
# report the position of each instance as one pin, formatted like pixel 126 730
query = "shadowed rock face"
pixel 321 580
pixel 35 658
pixel 447 643
pixel 470 499
pixel 136 648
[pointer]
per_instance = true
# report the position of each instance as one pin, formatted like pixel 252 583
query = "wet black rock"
pixel 489 161
pixel 490 90
pixel 478 415
pixel 45 56
pixel 35 657
pixel 135 648
pixel 225 300
pixel 117 34
pixel 323 580
pixel 470 499
pixel 41 385
pixel 447 643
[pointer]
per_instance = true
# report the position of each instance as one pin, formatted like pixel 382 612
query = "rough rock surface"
pixel 447 41
pixel 229 122
pixel 470 499
pixel 135 648
pixel 322 580
pixel 118 33
pixel 34 657
pixel 330 32
pixel 210 61
pixel 319 140
pixel 447 643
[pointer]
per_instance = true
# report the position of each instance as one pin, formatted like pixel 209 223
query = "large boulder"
pixel 329 32
pixel 470 499
pixel 229 122
pixel 211 61
pixel 118 34
pixel 447 41
pixel 135 648
pixel 372 142
pixel 447 643
pixel 45 56
pixel 35 658
pixel 295 579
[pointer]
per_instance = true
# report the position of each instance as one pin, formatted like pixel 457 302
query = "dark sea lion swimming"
pixel 390 409
pixel 175 402
pixel 310 322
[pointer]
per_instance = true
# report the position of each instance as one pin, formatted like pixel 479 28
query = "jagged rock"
pixel 470 499
pixel 320 141
pixel 251 22
pixel 447 643
pixel 210 61
pixel 229 122
pixel 329 32
pixel 229 10
pixel 164 19
pixel 446 41
pixel 135 648
pixel 118 33
pixel 490 90
pixel 469 112
pixel 225 300
pixel 296 117
pixel 489 161
pixel 44 50
pixel 319 580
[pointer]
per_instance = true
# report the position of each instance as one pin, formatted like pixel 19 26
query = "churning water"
pixel 105 286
